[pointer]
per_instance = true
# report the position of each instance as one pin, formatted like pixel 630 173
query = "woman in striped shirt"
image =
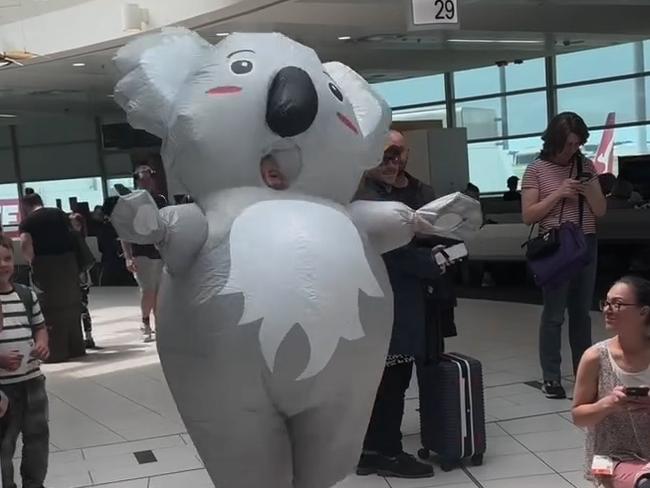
pixel 552 192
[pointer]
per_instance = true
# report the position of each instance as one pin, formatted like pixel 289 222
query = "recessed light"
pixel 495 41
pixel 345 38
pixel 8 116
pixel 222 34
pixel 110 95
pixel 78 65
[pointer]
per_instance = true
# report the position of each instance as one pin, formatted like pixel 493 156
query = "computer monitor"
pixel 636 170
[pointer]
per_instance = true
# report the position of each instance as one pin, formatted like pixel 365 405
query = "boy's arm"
pixel 41 339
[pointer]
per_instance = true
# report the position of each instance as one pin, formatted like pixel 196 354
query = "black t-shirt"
pixel 149 250
pixel 50 231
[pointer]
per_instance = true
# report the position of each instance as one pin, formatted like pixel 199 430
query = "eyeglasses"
pixel 616 306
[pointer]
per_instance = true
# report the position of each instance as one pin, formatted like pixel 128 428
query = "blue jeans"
pixel 576 296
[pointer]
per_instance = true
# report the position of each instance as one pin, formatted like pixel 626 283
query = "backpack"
pixel 25 295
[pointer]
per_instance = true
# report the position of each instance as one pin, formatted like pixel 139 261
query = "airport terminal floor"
pixel 114 423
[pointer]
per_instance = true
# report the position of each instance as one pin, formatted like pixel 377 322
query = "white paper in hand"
pixel 454 216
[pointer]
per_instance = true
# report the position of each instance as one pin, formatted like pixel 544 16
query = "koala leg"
pixel 249 450
pixel 327 442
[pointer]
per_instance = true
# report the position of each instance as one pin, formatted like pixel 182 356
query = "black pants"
pixel 85 313
pixel 384 434
pixel 27 414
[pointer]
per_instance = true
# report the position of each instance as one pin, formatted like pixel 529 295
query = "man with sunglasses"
pixel 410 269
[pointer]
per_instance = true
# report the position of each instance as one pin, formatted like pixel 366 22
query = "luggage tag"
pixel 602 466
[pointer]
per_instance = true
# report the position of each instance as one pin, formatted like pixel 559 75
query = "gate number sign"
pixel 434 12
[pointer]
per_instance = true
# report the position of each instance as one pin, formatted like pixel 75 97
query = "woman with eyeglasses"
pixel 611 392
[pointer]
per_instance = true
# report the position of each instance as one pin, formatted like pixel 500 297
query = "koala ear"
pixel 373 114
pixel 152 70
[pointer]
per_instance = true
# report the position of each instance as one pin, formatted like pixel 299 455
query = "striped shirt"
pixel 546 177
pixel 17 335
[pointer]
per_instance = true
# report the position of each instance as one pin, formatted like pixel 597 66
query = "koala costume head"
pixel 221 109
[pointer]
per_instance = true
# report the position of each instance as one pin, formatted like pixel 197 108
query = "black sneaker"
pixel 553 390
pixel 401 466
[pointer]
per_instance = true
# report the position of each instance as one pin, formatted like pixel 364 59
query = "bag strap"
pixel 581 198
pixel 25 295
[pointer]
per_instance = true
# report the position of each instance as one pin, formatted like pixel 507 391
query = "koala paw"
pixel 136 219
pixel 146 220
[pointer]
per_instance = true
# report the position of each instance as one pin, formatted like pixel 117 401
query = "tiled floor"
pixel 116 403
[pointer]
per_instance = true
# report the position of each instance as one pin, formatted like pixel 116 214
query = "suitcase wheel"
pixel 447 465
pixel 424 454
pixel 477 460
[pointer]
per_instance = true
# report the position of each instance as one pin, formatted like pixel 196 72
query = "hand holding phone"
pixel 585 177
pixel 636 391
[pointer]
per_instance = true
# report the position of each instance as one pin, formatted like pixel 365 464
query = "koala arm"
pixel 178 232
pixel 388 225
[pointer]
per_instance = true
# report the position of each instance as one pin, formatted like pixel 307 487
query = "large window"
pixel 413 91
pixel 492 163
pixel 597 63
pixel 9 208
pixel 504 116
pixel 126 181
pixel 628 141
pixel 493 79
pixel 594 102
pixel 84 189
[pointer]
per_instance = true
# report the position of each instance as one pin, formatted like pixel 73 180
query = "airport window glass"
pixel 646 55
pixel 492 163
pixel 122 180
pixel 476 82
pixel 487 81
pixel 596 63
pixel 431 112
pixel 9 208
pixel 412 91
pixel 628 141
pixel 504 116
pixel 84 189
pixel 594 102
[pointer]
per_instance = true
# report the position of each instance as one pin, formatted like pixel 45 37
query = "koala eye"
pixel 241 67
pixel 336 92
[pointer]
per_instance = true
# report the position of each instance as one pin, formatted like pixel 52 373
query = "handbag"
pixel 563 252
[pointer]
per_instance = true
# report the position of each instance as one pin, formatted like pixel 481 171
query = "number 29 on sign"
pixel 427 12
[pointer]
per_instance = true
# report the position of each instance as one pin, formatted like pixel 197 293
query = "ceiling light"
pixel 7 116
pixel 345 38
pixel 78 65
pixel 495 41
pixel 222 34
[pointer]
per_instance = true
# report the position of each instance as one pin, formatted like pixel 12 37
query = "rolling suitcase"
pixel 452 410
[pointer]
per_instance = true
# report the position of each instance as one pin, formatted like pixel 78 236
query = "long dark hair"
pixel 641 288
pixel 557 133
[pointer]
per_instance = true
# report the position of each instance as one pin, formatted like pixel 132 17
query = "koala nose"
pixel 292 103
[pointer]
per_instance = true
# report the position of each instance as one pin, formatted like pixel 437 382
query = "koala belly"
pixel 302 418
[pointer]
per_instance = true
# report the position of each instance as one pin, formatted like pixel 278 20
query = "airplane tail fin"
pixel 604 157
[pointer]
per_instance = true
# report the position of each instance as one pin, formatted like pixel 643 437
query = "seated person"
pixel 620 195
pixel 618 424
pixel 512 195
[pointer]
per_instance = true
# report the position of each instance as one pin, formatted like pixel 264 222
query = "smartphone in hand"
pixel 585 177
pixel 636 391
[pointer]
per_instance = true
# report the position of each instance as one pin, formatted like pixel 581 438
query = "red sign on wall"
pixel 10 215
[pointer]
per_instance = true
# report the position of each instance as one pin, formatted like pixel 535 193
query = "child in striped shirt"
pixel 23 344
